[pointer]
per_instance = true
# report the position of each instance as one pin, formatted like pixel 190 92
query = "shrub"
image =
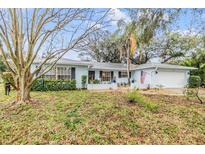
pixel 193 93
pixel 95 81
pixel 53 85
pixel 7 77
pixel 2 66
pixel 83 80
pixel 73 118
pixel 72 123
pixel 194 81
pixel 136 97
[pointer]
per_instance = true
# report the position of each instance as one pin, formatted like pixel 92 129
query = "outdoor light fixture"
pixel 156 72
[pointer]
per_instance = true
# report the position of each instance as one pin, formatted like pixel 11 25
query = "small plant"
pixel 194 81
pixel 192 93
pixel 73 119
pixel 83 81
pixel 95 81
pixel 136 97
pixel 72 123
pixel 170 129
pixel 192 89
pixel 7 77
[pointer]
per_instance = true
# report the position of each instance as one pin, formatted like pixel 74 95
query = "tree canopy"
pixel 25 33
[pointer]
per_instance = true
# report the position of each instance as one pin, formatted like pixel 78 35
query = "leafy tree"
pixel 170 47
pixel 103 47
pixel 197 59
pixel 143 29
pixel 2 66
pixel 25 33
pixel 140 31
pixel 128 46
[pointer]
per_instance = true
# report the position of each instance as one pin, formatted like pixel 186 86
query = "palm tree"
pixel 129 44
pixel 139 32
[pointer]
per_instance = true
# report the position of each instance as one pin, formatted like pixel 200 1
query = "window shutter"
pixel 73 73
pixel 112 75
pixel 101 74
pixel 119 74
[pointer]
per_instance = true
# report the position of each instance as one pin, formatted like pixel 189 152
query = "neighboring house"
pixel 113 75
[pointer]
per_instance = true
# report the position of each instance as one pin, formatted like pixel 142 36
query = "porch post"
pixel 128 61
pixel 56 73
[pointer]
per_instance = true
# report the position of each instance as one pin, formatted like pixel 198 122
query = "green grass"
pixel 84 117
pixel 136 97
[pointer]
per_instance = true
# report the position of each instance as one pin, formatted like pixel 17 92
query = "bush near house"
pixel 7 77
pixel 136 97
pixel 194 81
pixel 53 85
pixel 189 92
pixel 84 80
pixel 94 81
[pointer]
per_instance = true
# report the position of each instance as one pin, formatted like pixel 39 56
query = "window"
pixel 106 76
pixel 60 73
pixel 91 75
pixel 123 74
pixel 51 75
pixel 63 73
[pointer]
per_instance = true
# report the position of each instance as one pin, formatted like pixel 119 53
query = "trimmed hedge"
pixel 194 81
pixel 53 85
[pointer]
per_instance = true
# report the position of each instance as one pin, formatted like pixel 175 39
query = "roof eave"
pixel 151 67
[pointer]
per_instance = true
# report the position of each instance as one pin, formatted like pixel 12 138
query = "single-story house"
pixel 112 75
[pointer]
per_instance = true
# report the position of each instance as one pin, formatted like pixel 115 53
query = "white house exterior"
pixel 114 75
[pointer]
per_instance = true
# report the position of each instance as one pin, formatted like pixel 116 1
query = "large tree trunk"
pixel 23 85
pixel 23 95
pixel 128 63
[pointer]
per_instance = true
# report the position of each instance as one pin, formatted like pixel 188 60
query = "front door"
pixel 91 75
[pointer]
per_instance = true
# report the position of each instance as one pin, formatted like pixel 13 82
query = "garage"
pixel 171 79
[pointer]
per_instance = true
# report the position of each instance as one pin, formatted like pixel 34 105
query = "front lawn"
pixel 84 117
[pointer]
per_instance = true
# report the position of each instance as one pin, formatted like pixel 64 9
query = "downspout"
pixel 155 70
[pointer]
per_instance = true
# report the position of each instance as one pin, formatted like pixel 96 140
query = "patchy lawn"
pixel 85 117
pixel 172 91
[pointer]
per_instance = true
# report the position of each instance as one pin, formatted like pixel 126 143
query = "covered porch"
pixel 107 79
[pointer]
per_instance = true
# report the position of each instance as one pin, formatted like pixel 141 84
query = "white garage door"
pixel 171 79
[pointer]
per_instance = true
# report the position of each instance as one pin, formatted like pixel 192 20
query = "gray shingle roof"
pixel 111 66
pixel 117 66
pixel 65 61
pixel 164 66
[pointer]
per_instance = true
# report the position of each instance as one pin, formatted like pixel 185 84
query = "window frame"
pixel 107 78
pixel 122 74
pixel 63 73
